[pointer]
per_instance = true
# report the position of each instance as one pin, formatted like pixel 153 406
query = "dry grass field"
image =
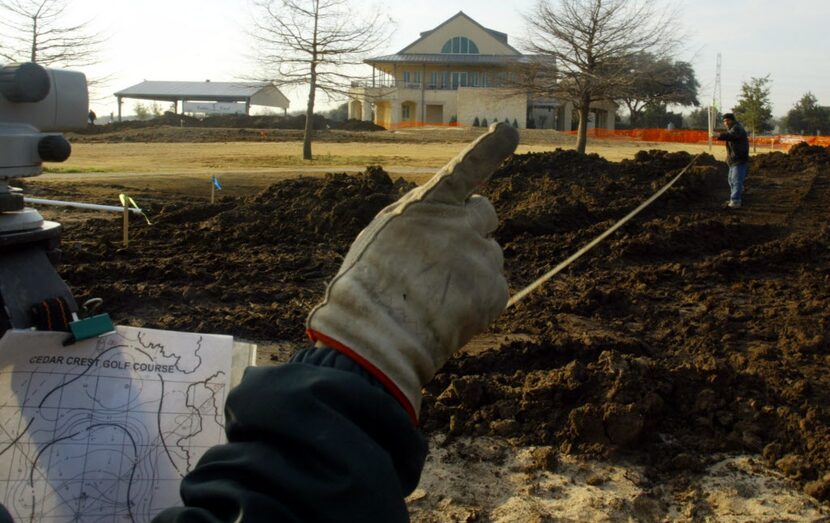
pixel 167 161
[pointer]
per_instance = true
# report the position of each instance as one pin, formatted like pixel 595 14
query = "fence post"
pixel 711 126
pixel 126 225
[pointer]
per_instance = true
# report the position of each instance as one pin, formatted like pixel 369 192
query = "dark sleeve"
pixel 317 439
pixel 736 134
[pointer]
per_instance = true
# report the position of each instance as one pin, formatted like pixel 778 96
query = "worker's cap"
pixel 729 116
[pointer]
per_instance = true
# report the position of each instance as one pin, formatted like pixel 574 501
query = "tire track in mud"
pixel 813 211
pixel 792 189
pixel 774 200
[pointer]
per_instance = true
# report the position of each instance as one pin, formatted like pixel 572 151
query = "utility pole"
pixel 716 102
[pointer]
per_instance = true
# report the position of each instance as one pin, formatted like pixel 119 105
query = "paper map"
pixel 104 430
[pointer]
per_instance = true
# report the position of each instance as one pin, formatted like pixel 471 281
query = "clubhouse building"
pixel 459 73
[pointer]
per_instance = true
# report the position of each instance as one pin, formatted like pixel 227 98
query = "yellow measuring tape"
pixel 596 241
pixel 124 199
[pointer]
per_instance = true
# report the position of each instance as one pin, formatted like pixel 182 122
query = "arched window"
pixel 459 45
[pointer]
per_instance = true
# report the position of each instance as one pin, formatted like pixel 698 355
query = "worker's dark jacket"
pixel 737 145
pixel 315 440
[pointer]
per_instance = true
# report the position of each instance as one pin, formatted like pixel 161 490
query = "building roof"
pixel 506 56
pixel 256 93
pixel 501 37
pixel 450 59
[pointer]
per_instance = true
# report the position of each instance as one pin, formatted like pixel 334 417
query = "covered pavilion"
pixel 247 93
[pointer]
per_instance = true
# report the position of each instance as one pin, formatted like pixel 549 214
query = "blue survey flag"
pixel 216 183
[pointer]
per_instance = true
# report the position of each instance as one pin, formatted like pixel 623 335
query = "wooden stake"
pixel 126 225
pixel 212 190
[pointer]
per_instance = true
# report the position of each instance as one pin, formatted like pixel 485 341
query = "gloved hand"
pixel 422 278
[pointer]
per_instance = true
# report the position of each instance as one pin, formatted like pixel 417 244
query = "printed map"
pixel 104 430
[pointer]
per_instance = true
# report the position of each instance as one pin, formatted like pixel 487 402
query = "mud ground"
pixel 691 333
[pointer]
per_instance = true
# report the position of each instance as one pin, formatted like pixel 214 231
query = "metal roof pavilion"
pixel 251 93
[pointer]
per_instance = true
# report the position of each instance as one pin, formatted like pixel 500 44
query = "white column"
pixel 395 116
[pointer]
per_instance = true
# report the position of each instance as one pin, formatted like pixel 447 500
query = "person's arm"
pixel 331 436
pixel 735 134
pixel 317 439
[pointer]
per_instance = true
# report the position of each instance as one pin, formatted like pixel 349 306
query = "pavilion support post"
pixel 120 101
pixel 423 94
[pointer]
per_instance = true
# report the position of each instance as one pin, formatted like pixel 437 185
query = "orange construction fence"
pixel 777 141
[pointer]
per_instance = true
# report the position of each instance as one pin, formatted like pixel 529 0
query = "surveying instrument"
pixel 34 102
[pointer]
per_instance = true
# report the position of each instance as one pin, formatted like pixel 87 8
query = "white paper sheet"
pixel 104 430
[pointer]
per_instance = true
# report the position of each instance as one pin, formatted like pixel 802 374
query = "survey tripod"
pixel 34 102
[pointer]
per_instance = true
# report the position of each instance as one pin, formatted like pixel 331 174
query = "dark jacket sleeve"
pixel 316 439
pixel 735 134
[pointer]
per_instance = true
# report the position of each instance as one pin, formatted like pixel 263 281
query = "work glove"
pixel 422 278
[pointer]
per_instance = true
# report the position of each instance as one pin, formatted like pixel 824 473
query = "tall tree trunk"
pixel 634 113
pixel 634 119
pixel 33 57
pixel 582 132
pixel 312 88
pixel 309 114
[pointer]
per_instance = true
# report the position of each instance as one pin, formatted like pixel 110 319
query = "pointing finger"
pixel 463 174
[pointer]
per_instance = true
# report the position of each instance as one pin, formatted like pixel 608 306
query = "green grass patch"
pixel 266 161
pixel 74 170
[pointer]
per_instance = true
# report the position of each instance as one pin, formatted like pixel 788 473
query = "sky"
pixel 196 40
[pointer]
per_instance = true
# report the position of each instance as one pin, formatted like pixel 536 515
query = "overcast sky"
pixel 205 39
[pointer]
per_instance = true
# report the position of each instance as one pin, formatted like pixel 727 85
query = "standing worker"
pixel 737 157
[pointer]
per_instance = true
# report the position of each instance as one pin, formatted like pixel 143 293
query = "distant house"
pixel 459 72
pixel 207 97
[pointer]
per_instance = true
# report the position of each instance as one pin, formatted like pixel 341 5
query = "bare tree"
pixel 36 31
pixel 314 43
pixel 585 48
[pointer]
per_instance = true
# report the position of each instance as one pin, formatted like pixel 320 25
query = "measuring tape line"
pixel 126 199
pixel 596 241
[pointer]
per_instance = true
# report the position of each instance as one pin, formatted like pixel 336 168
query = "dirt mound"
pixel 358 125
pixel 693 330
pixel 251 266
pixel 801 156
pixel 679 337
